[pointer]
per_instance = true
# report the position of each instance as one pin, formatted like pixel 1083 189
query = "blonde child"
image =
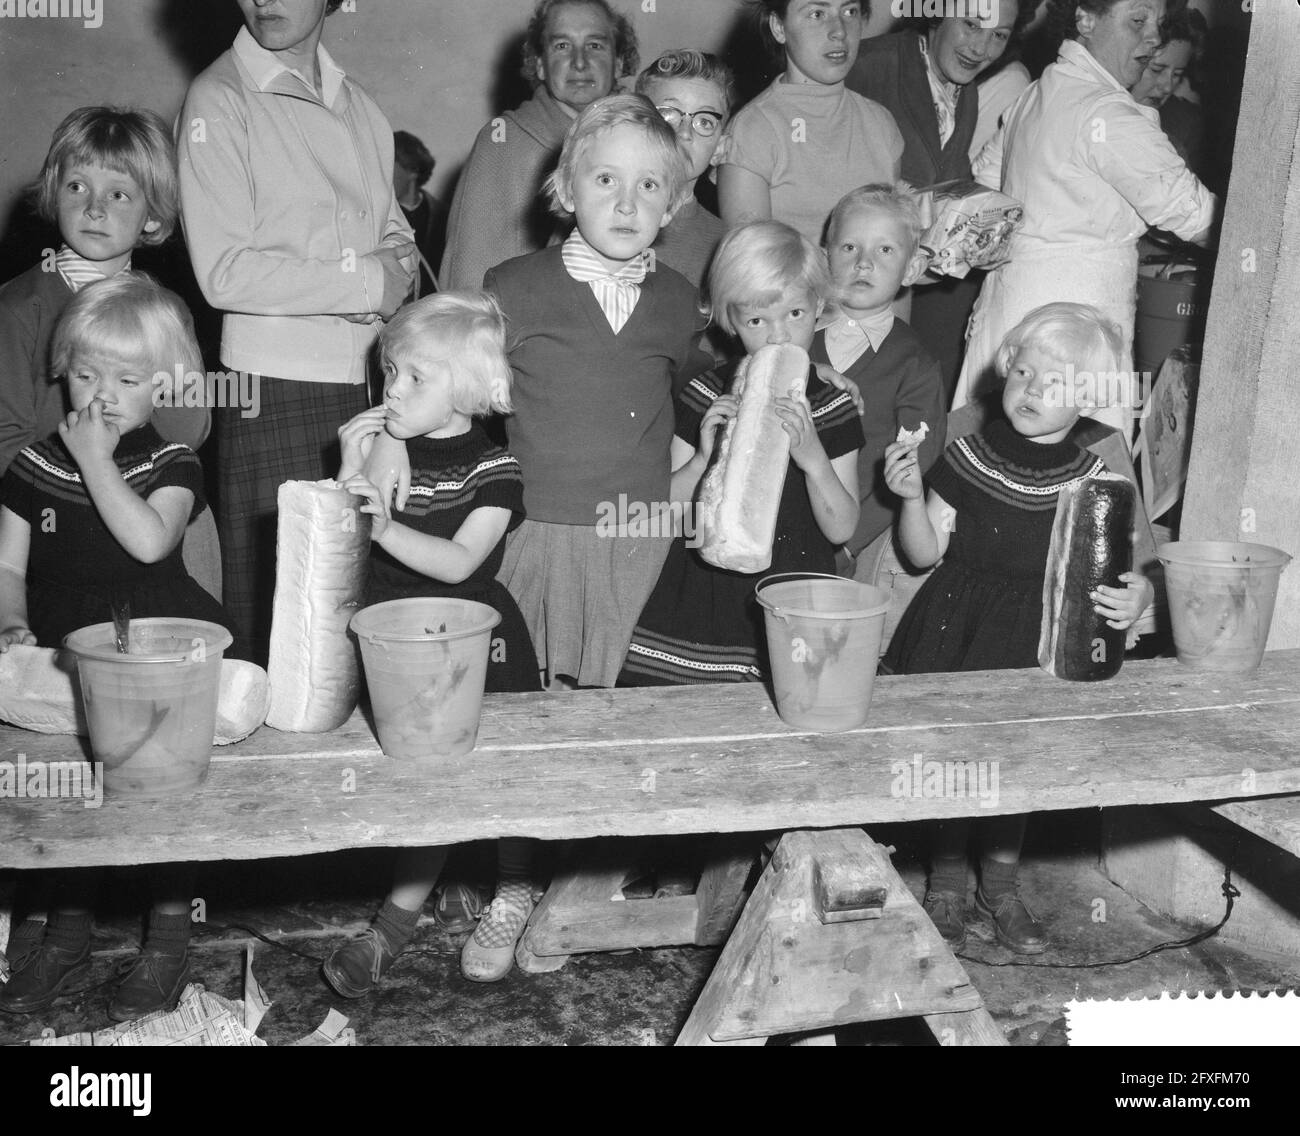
pixel 702 624
pixel 109 184
pixel 598 342
pixel 444 365
pixel 91 518
pixel 988 515
pixel 795 149
pixel 694 92
pixel 871 247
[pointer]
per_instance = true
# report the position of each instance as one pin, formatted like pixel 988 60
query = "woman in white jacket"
pixel 1094 171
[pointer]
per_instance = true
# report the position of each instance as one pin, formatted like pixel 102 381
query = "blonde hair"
pixel 756 263
pixel 684 63
pixel 899 199
pixel 605 114
pixel 132 142
pixel 129 318
pixel 1076 334
pixel 468 331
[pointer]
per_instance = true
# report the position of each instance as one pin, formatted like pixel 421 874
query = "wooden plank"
pixel 850 877
pixel 966 1027
pixel 1275 819
pixel 590 765
pixel 668 922
pixel 783 971
pixel 721 891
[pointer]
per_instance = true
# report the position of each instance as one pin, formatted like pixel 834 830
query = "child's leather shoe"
pixel 154 982
pixel 947 911
pixel 40 973
pixel 1014 925
pixel 355 968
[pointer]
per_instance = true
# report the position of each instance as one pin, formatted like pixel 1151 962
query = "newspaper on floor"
pixel 204 1018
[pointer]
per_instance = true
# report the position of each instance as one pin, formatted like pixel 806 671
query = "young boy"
pixel 598 343
pixel 871 247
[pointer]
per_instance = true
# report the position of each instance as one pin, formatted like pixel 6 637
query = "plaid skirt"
pixel 581 594
pixel 293 438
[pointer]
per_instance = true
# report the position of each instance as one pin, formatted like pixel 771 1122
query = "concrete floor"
pixel 638 998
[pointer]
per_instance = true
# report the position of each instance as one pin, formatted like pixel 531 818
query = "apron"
pixel 1103 276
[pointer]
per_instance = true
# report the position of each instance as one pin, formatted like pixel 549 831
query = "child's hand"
pixel 16 637
pixel 723 410
pixel 375 504
pixel 902 471
pixel 357 438
pixel 829 374
pixel 86 434
pixel 806 448
pixel 1122 606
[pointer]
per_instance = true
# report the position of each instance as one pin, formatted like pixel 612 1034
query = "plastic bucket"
pixel 426 662
pixel 151 712
pixel 823 642
pixel 1221 596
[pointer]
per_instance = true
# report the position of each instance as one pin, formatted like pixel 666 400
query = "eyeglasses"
pixel 704 122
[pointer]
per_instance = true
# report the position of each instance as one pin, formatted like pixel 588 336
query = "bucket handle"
pixel 790 576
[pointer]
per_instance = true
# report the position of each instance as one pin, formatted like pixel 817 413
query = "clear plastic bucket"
pixel 1221 595
pixel 426 664
pixel 823 641
pixel 152 712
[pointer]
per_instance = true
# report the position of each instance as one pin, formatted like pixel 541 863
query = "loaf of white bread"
pixel 39 691
pixel 322 551
pixel 740 493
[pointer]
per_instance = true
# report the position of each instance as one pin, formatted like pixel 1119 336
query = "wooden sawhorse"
pixel 832 937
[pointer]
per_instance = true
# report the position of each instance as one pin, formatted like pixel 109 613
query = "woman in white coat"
pixel 1094 171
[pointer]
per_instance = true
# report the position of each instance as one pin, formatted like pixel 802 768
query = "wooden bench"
pixel 701 760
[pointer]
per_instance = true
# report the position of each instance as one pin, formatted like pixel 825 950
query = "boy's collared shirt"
pixel 848 339
pixel 265 68
pixel 616 292
pixel 77 271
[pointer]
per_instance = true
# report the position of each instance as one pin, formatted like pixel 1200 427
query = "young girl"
pixel 444 364
pixel 793 151
pixel 109 183
pixel 91 519
pixel 989 515
pixel 702 624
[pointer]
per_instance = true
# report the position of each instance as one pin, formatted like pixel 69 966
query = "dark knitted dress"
pixel 703 624
pixel 76 569
pixel 983 606
pixel 450 478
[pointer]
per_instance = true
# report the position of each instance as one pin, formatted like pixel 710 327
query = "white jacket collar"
pixel 265 68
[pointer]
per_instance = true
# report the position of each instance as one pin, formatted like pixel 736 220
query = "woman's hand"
pixel 902 471
pixel 16 637
pixel 396 261
pixel 723 410
pixel 389 467
pixel 357 439
pixel 88 437
pixel 375 504
pixel 831 376
pixel 1123 606
pixel 806 449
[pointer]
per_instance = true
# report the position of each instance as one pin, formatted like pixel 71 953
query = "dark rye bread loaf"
pixel 1091 545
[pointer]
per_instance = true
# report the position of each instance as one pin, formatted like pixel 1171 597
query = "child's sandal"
pixel 489 953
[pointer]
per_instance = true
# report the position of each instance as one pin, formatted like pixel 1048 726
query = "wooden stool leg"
pixel 721 891
pixel 965 1027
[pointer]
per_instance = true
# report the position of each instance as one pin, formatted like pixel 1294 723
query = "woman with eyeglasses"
pixel 694 93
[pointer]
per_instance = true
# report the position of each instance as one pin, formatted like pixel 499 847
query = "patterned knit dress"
pixel 983 606
pixel 703 624
pixel 76 570
pixel 450 478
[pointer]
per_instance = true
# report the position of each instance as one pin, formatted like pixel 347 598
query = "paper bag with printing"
pixel 968 226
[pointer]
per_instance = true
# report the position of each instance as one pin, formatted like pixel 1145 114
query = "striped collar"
pixel 77 271
pixel 583 264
